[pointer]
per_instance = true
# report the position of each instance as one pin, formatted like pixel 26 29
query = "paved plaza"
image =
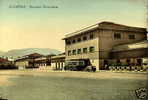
pixel 60 85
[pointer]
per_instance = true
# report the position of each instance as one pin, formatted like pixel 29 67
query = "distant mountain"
pixel 21 52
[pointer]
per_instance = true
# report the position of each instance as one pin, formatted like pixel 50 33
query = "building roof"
pixel 34 55
pixel 106 26
pixel 87 29
pixel 41 58
pixel 50 55
pixel 131 46
pixel 59 56
pixel 29 56
pixel 2 60
pixel 21 59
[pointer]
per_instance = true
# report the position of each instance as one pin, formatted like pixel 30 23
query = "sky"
pixel 45 27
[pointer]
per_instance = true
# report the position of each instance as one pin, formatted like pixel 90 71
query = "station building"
pixel 105 42
pixel 27 61
pixel 58 61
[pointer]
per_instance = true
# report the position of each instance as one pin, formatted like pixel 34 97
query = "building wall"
pixel 124 61
pixel 136 53
pixel 103 42
pixel 22 63
pixel 58 65
pixel 58 62
pixel 93 56
pixel 107 40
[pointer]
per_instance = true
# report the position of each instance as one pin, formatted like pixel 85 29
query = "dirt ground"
pixel 70 85
pixel 6 74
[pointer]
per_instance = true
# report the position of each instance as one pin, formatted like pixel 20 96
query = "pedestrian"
pixel 93 68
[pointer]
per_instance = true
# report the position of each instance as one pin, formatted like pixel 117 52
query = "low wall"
pixel 129 68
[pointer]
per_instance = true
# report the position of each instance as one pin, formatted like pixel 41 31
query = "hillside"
pixel 21 52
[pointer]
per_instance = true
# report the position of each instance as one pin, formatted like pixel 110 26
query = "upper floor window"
pixel 131 36
pixel 68 42
pixel 91 36
pixel 117 35
pixel 74 41
pixel 85 38
pixel 84 50
pixel 69 52
pixel 79 39
pixel 73 52
pixel 79 51
pixel 91 49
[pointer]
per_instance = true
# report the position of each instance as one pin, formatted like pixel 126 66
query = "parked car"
pixel 79 65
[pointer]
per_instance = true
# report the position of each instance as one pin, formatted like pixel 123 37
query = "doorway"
pixel 106 66
pixel 139 62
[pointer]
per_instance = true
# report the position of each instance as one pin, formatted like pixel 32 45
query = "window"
pixel 81 63
pixel 117 36
pixel 79 39
pixel 84 38
pixel 84 50
pixel 139 62
pixel 91 49
pixel 79 51
pixel 128 60
pixel 73 52
pixel 131 36
pixel 118 60
pixel 91 36
pixel 74 41
pixel 69 52
pixel 68 42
